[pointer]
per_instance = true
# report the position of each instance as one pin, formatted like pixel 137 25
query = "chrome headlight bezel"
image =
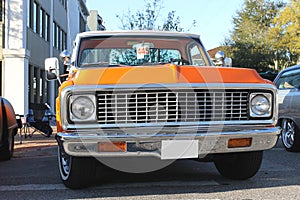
pixel 260 105
pixel 87 103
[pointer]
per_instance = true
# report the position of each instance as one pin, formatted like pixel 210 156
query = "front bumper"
pixel 85 143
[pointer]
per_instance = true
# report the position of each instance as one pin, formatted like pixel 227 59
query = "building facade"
pixel 35 30
pixel 95 21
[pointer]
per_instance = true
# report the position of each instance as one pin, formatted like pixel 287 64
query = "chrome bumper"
pixel 85 143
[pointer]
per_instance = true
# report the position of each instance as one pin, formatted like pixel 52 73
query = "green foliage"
pixel 285 33
pixel 249 42
pixel 148 19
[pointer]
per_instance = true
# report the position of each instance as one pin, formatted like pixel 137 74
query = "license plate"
pixel 179 149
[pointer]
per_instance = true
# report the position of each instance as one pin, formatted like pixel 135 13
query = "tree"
pixel 148 19
pixel 285 33
pixel 250 47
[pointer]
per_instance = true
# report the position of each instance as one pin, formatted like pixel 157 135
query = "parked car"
pixel 270 75
pixel 8 129
pixel 156 96
pixel 288 84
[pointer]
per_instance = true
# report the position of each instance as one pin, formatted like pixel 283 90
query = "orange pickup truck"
pixel 138 100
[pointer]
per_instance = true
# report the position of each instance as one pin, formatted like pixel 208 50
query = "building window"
pixel 61 40
pixel 30 83
pixel 64 3
pixel 66 41
pixel 54 34
pixel 82 23
pixel 38 20
pixel 30 14
pixel 38 87
pixel 44 90
pixel 42 23
pixel 41 88
pixel 47 27
pixel 35 17
pixel 35 85
pixel 57 37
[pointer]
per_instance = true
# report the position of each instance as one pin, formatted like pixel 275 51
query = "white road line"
pixel 160 184
pixel 40 187
pixel 32 187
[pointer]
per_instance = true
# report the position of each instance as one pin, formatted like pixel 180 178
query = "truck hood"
pixel 165 74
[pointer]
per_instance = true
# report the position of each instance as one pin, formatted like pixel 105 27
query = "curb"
pixel 34 142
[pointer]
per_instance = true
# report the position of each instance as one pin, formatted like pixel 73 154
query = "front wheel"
pixel 7 149
pixel 238 166
pixel 290 135
pixel 76 172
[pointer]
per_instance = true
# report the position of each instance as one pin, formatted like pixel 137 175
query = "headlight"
pixel 82 108
pixel 260 105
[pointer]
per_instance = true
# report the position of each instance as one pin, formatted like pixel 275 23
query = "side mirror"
pixel 228 62
pixel 219 58
pixel 52 68
pixel 222 60
pixel 65 57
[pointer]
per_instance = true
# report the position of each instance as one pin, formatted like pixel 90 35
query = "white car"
pixel 288 84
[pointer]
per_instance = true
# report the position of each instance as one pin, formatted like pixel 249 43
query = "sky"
pixel 214 17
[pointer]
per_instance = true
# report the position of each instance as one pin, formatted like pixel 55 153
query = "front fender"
pixel 10 115
pixel 294 119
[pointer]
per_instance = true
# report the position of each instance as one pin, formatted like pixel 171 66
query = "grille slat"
pixel 184 105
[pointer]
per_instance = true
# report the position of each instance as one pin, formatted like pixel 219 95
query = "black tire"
pixel 7 149
pixel 238 166
pixel 76 172
pixel 290 135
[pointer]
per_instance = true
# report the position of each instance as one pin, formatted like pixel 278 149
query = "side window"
pixel 196 56
pixel 289 80
pixel 94 56
pixel 87 57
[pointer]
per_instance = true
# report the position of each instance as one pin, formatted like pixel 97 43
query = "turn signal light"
pixel 112 147
pixel 239 142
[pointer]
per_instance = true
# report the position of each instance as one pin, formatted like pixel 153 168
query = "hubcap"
pixel 288 133
pixel 65 162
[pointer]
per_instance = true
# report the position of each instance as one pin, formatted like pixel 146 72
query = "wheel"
pixel 76 172
pixel 290 135
pixel 7 149
pixel 238 166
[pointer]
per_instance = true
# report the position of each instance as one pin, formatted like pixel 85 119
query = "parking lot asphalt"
pixel 34 145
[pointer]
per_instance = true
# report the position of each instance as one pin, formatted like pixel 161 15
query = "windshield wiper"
pixel 176 62
pixel 99 64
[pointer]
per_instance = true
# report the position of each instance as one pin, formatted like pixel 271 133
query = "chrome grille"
pixel 185 105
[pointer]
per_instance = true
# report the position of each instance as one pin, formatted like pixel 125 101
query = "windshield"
pixel 289 80
pixel 146 50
